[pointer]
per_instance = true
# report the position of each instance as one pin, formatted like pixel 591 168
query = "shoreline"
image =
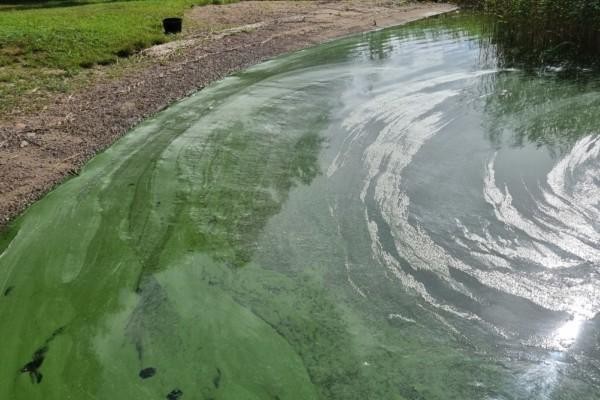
pixel 38 151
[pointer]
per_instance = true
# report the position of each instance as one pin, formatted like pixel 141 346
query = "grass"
pixel 44 44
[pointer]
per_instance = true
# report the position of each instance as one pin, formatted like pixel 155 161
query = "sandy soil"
pixel 38 151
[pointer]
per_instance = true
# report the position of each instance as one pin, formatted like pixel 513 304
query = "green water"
pixel 388 216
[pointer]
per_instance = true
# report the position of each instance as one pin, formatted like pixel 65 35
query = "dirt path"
pixel 38 151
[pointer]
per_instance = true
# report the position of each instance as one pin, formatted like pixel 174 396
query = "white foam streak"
pixel 566 235
pixel 557 235
pixel 409 120
pixel 400 104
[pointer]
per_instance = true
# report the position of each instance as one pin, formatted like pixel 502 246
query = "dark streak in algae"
pixel 147 373
pixel 33 366
pixel 175 394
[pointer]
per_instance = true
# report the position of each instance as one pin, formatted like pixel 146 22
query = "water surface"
pixel 387 216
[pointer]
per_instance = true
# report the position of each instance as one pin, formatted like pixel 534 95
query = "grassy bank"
pixel 43 44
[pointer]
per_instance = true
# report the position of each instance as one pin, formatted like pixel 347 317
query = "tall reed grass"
pixel 544 31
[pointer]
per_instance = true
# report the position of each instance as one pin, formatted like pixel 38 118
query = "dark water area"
pixel 525 45
pixel 394 215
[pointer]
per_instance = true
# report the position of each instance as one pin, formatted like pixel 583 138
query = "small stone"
pixel 24 143
pixel 128 106
pixel 31 135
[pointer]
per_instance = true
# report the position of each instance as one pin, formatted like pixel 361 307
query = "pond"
pixel 386 216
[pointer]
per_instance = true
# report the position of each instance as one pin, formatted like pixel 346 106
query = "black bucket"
pixel 172 25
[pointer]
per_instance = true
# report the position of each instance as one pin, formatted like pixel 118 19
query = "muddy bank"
pixel 38 151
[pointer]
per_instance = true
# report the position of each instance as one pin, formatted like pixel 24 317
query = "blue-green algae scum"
pixel 388 216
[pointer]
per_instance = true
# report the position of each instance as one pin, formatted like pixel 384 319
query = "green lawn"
pixel 43 44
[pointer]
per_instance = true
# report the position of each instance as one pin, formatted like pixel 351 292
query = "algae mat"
pixel 387 216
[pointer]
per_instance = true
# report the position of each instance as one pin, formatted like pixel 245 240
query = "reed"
pixel 533 32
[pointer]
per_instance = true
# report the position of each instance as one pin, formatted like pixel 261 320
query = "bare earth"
pixel 38 151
